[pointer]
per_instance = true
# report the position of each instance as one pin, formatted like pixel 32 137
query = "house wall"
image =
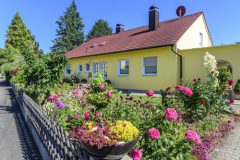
pixel 193 60
pixel 166 68
pixel 191 38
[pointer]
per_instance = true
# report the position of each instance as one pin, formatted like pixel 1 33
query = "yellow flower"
pixel 124 130
pixel 90 125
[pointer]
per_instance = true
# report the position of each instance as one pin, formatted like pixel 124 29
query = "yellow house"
pixel 143 58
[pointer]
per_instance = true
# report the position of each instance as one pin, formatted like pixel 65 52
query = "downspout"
pixel 180 61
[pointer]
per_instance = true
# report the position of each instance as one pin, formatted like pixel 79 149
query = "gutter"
pixel 181 64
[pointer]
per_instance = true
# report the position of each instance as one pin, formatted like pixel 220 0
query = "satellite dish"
pixel 181 10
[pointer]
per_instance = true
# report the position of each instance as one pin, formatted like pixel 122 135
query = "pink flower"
pixel 53 98
pixel 153 133
pixel 187 91
pixel 231 100
pixel 109 94
pixel 101 87
pixel 230 82
pixel 171 114
pixel 61 105
pixel 86 115
pixel 97 115
pixel 150 93
pixel 193 136
pixel 136 154
pixel 77 116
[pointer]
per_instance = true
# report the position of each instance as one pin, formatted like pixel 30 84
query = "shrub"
pixel 83 81
pixel 108 81
pixel 237 87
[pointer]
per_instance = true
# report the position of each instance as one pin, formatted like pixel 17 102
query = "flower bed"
pixel 187 123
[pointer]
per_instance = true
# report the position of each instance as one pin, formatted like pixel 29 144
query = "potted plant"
pixel 105 140
pixel 237 90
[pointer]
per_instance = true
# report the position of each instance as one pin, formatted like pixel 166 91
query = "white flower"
pixel 210 63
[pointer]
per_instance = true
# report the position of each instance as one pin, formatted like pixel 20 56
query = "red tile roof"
pixel 168 33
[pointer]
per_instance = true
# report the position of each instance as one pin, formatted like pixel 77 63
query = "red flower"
pixel 195 81
pixel 203 102
pixel 231 100
pixel 230 82
pixel 150 93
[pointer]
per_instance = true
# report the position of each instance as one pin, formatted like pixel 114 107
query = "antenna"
pixel 181 10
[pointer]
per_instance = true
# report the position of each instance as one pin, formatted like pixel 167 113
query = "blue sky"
pixel 223 17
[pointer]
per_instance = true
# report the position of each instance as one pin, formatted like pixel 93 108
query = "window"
pixel 201 39
pixel 150 66
pixel 123 67
pixel 67 69
pixel 87 67
pixel 79 68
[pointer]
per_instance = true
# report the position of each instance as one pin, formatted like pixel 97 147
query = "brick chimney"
pixel 153 18
pixel 119 28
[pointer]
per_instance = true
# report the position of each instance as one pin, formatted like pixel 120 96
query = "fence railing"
pixel 51 140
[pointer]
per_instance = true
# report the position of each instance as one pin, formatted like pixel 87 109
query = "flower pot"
pixel 108 152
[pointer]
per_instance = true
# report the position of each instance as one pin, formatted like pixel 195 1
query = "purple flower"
pixel 60 104
pixel 97 115
pixel 86 115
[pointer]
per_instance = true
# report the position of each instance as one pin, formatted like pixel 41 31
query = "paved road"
pixel 15 141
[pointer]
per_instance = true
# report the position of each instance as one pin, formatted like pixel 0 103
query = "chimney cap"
pixel 153 8
pixel 120 25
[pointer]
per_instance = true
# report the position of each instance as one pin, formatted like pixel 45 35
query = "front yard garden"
pixel 186 123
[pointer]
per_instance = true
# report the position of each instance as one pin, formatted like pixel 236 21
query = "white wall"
pixel 191 38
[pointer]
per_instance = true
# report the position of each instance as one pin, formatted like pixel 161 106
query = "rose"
pixel 86 115
pixel 97 115
pixel 61 105
pixel 188 92
pixel 153 133
pixel 202 102
pixel 136 154
pixel 150 93
pixel 101 87
pixel 193 136
pixel 109 94
pixel 230 82
pixel 231 100
pixel 53 98
pixel 171 114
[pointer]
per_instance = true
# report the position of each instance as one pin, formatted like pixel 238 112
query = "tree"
pixel 70 30
pixel 18 36
pixel 100 28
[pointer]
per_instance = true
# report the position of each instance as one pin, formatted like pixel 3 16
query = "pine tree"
pixel 70 30
pixel 100 28
pixel 18 36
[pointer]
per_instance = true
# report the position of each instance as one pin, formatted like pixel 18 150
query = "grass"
pixel 152 100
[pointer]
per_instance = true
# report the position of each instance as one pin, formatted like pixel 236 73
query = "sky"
pixel 40 16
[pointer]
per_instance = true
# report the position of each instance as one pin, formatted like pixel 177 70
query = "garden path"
pixel 15 141
pixel 229 148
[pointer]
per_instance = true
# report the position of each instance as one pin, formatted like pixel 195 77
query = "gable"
pixel 191 38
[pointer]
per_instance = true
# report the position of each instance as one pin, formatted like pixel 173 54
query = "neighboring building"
pixel 143 58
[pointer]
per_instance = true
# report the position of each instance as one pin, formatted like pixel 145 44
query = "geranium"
pixel 171 114
pixel 53 98
pixel 86 115
pixel 101 87
pixel 136 154
pixel 109 94
pixel 150 93
pixel 230 82
pixel 231 100
pixel 193 136
pixel 153 133
pixel 60 104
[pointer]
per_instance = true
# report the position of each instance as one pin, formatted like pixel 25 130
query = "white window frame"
pixel 66 68
pixel 85 67
pixel 78 68
pixel 201 39
pixel 143 67
pixel 119 67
